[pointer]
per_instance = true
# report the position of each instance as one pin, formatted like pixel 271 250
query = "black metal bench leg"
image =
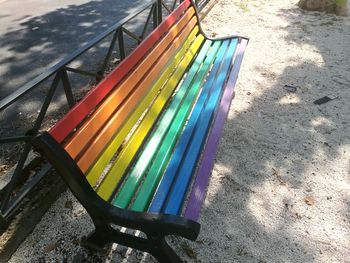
pixel 164 253
pixel 156 246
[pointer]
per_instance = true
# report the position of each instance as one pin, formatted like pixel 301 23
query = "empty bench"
pixel 137 151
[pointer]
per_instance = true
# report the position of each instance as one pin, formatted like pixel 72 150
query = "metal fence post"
pixel 121 43
pixel 159 11
pixel 67 89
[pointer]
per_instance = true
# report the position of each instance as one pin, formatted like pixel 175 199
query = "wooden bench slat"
pixel 164 188
pixel 197 195
pixel 158 166
pixel 108 185
pixel 70 121
pixel 98 167
pixel 179 189
pixel 148 152
pixel 150 66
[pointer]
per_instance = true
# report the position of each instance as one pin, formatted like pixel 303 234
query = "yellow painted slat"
pixel 97 169
pixel 123 160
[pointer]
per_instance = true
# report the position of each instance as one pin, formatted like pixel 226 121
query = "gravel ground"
pixel 280 189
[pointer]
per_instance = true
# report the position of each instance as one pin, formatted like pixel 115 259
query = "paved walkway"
pixel 36 34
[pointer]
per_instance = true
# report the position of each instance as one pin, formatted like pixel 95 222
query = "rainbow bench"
pixel 137 151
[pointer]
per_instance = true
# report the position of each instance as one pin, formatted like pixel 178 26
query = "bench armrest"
pixel 103 212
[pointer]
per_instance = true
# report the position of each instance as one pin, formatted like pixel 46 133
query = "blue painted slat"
pixel 148 153
pixel 188 165
pixel 170 173
pixel 195 200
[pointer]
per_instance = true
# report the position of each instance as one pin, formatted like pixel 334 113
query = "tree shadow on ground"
pixel 282 161
pixel 40 42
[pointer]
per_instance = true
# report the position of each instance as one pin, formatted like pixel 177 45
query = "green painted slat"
pixel 158 166
pixel 130 186
pixel 193 150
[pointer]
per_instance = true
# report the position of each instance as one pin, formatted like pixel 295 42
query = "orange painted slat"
pixel 96 95
pixel 85 134
pixel 117 120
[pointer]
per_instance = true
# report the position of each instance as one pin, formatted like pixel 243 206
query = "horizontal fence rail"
pixel 21 183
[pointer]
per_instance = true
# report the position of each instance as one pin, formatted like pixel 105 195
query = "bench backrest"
pixel 94 130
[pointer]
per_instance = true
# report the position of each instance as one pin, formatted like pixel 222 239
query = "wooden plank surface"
pixel 170 174
pixel 111 129
pixel 161 159
pixel 152 65
pixel 179 189
pixel 98 167
pixel 123 160
pixel 147 155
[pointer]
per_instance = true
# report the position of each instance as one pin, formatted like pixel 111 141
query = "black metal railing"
pixel 23 181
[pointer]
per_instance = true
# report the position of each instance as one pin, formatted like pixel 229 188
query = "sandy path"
pixel 280 189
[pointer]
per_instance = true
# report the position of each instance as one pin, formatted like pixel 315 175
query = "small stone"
pixel 309 200
pixel 68 204
pixel 50 247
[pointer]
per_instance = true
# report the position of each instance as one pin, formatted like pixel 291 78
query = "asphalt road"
pixel 35 34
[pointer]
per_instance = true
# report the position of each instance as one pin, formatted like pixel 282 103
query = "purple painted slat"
pixel 201 182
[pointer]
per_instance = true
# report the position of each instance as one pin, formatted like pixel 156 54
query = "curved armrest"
pixel 101 211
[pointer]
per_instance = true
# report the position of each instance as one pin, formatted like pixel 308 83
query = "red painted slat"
pixel 66 125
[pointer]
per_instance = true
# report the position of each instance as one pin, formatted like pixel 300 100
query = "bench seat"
pixel 138 149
